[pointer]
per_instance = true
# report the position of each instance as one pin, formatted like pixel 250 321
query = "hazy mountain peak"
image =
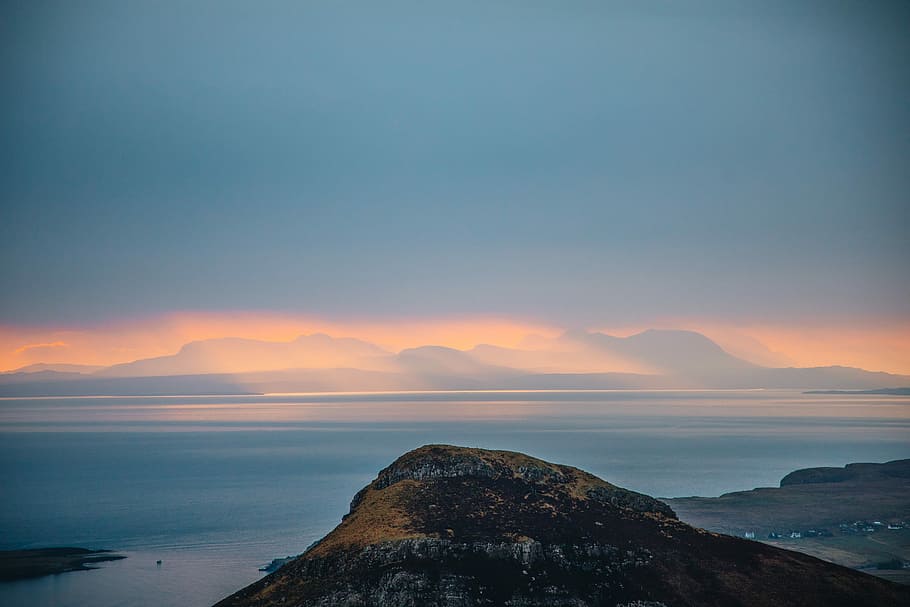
pixel 677 335
pixel 238 355
pixel 315 336
pixel 436 360
pixel 655 358
pixel 666 351
pixel 57 367
pixel 215 342
pixel 432 351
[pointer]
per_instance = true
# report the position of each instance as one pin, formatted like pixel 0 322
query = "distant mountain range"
pixel 653 359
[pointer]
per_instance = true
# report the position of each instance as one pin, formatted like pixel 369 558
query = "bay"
pixel 217 486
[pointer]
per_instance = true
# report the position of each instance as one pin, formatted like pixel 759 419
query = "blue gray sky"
pixel 573 162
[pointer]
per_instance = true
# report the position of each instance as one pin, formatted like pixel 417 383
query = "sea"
pixel 215 487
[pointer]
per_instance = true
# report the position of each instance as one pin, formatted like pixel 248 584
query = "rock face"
pixel 457 527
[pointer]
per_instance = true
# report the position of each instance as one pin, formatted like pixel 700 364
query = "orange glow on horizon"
pixel 871 346
pixel 161 336
pixel 875 347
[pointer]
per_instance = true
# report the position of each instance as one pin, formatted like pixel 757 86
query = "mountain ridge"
pixel 652 359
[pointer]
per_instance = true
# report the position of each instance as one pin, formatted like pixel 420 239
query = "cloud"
pixel 30 348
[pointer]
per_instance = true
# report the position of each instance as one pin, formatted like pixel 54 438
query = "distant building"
pixel 749 535
pixel 795 535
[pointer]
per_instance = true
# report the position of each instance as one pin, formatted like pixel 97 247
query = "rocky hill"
pixel 452 526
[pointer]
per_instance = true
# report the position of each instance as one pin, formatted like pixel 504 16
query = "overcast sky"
pixel 572 162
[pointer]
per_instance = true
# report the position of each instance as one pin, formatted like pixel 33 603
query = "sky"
pixel 574 164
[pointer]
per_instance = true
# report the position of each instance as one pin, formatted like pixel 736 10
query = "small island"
pixel 23 564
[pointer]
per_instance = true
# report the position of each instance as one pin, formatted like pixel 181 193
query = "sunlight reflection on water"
pixel 217 486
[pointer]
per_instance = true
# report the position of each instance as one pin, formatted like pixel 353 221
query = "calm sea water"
pixel 215 487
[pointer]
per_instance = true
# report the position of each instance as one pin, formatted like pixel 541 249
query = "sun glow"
pixel 876 347
pixel 126 341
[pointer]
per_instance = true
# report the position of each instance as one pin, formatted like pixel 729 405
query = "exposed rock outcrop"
pixel 457 527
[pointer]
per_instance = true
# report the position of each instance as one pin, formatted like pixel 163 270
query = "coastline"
pixel 25 564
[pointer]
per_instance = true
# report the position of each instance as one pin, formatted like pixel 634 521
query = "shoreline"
pixel 33 563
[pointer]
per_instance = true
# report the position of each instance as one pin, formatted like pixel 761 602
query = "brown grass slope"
pixel 452 526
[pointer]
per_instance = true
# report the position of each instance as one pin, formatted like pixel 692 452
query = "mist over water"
pixel 215 487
